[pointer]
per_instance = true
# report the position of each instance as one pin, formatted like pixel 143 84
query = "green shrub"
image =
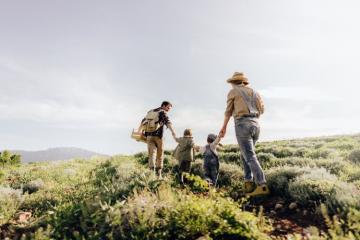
pixel 354 175
pixel 345 228
pixel 33 186
pixel 114 183
pixel 301 152
pixel 7 158
pixel 230 148
pixel 319 153
pixel 354 156
pixel 334 166
pixel 16 179
pixel 169 215
pixel 265 159
pixel 197 168
pixel 230 175
pixel 195 183
pixel 168 152
pixel 10 199
pixel 142 158
pixel 230 157
pixel 278 179
pixel 319 186
pixel 105 173
pixel 277 151
pixel 83 220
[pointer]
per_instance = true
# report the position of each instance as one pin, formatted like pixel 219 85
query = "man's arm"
pixel 164 119
pixel 172 130
pixel 141 125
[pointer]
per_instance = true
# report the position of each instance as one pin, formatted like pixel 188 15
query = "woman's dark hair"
pixel 165 103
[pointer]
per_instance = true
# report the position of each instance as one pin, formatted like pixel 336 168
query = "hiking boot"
pixel 249 187
pixel 259 190
pixel 158 173
pixel 153 170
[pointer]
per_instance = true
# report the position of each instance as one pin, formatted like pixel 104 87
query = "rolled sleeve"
pixel 229 105
pixel 164 119
pixel 260 103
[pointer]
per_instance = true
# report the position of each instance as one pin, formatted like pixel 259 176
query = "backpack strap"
pixel 249 101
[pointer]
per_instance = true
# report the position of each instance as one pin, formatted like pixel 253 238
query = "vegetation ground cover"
pixel 314 183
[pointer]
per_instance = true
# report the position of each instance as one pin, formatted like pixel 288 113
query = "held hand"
pixel 222 132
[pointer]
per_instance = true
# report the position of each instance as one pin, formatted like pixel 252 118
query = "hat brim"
pixel 244 80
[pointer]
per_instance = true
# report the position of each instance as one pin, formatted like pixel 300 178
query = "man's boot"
pixel 153 170
pixel 182 178
pixel 249 186
pixel 259 190
pixel 158 173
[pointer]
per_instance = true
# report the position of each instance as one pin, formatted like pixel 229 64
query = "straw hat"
pixel 238 77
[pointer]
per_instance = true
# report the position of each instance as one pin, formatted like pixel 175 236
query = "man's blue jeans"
pixel 247 133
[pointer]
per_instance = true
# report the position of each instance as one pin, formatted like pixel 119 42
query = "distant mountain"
pixel 54 154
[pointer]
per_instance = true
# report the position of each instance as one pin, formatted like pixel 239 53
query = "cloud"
pixel 299 93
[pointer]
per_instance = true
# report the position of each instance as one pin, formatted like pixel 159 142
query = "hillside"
pixel 314 183
pixel 55 154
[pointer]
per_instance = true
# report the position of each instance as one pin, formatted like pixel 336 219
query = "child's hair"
pixel 211 138
pixel 188 132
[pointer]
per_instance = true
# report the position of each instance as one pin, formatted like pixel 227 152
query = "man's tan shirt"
pixel 236 105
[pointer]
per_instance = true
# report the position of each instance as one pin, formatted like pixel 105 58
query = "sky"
pixel 84 73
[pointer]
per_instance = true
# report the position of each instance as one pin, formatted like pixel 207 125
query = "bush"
pixel 334 166
pixel 169 215
pixel 230 157
pixel 319 153
pixel 230 175
pixel 265 159
pixel 301 152
pixel 319 186
pixel 195 183
pixel 354 176
pixel 10 200
pixel 7 158
pixel 346 228
pixel 354 156
pixel 278 179
pixel 104 174
pixel 114 183
pixel 277 151
pixel 83 220
pixel 33 186
pixel 230 148
pixel 197 168
pixel 142 158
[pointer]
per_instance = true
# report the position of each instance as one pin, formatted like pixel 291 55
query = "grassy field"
pixel 314 183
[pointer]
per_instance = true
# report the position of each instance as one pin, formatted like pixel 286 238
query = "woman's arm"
pixel 222 132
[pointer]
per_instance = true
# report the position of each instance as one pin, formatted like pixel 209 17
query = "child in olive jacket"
pixel 184 152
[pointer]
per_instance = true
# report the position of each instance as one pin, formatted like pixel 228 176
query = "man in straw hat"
pixel 246 106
